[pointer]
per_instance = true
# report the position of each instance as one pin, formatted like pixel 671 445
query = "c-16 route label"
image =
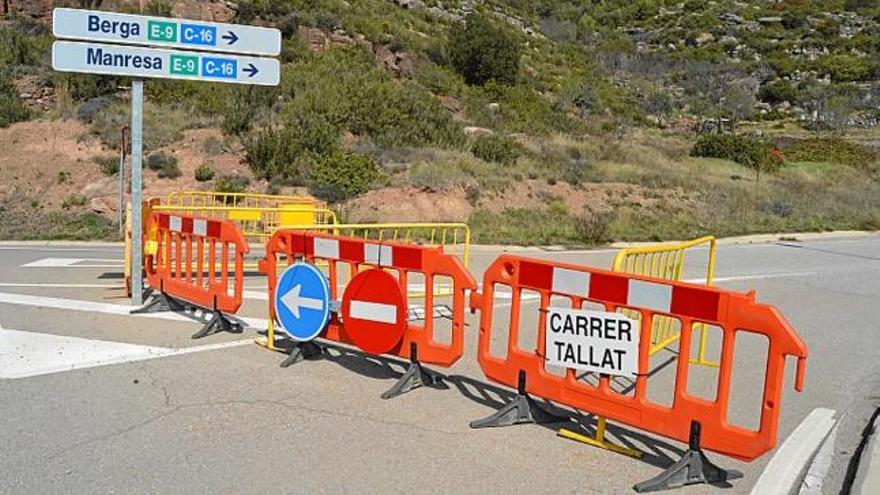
pixel 160 31
pixel 97 58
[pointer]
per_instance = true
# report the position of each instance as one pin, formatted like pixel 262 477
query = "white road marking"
pixel 63 286
pixel 24 354
pixel 105 308
pixel 75 263
pixel 752 277
pixel 61 249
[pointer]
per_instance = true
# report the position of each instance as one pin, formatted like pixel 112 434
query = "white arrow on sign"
pixel 294 301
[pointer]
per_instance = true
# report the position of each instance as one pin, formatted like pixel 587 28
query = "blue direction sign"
pixel 302 301
pixel 129 29
pixel 97 58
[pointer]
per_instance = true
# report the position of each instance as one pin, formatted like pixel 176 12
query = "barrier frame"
pixel 731 311
pixel 192 280
pixel 418 344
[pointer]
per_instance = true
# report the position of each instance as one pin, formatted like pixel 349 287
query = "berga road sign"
pixel 96 58
pixel 160 31
pixel 592 341
pixel 374 311
pixel 302 301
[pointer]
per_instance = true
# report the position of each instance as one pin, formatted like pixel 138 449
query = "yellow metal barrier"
pixel 259 223
pixel 244 200
pixel 667 261
pixel 662 261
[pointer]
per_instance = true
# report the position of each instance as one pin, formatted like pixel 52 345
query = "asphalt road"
pixel 173 415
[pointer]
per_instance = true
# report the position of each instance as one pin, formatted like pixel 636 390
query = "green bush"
pixel 344 89
pixel 844 67
pixel 231 184
pixel 73 200
pixel 593 227
pixel 495 148
pixel 12 109
pixel 482 50
pixel 343 175
pixel 832 150
pixel 108 164
pixel 204 173
pixel 746 151
pixel 778 91
pixel 165 165
pixel 277 154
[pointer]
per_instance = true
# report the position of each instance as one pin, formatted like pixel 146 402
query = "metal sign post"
pixel 120 208
pixel 137 145
pixel 112 57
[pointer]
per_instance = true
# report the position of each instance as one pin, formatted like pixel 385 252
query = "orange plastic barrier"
pixel 199 262
pixel 353 255
pixel 734 313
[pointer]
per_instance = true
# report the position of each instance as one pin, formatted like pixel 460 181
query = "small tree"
pixel 482 50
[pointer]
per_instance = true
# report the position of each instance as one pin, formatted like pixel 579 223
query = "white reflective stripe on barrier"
pixel 570 281
pixel 657 297
pixel 326 248
pixel 200 227
pixel 378 255
pixel 175 224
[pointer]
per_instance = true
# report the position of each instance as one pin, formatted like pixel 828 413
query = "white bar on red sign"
pixel 382 313
pixel 175 224
pixel 570 282
pixel 200 227
pixel 657 297
pixel 326 248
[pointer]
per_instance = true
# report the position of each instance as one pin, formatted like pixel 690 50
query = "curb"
pixel 785 472
pixel 867 480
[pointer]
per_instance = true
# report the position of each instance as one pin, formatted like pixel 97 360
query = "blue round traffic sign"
pixel 302 301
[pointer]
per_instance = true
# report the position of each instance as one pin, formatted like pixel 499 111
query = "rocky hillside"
pixel 599 119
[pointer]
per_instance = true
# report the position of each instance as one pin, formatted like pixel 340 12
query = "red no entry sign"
pixel 374 311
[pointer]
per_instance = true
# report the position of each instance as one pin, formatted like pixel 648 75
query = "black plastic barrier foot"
pixel 693 467
pixel 218 323
pixel 522 409
pixel 414 377
pixel 300 351
pixel 159 304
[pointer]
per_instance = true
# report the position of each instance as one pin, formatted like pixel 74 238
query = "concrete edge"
pixel 867 479
pixel 747 239
pixel 785 472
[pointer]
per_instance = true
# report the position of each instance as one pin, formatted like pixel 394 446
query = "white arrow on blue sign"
pixel 93 25
pixel 97 58
pixel 302 301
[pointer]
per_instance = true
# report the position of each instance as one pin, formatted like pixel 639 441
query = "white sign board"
pixel 96 58
pixel 592 341
pixel 128 29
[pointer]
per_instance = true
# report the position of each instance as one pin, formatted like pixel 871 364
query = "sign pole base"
pixel 693 467
pixel 300 351
pixel 414 377
pixel 522 409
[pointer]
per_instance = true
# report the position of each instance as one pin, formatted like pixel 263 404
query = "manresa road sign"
pixel 97 58
pixel 161 31
pixel 595 341
pixel 302 301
